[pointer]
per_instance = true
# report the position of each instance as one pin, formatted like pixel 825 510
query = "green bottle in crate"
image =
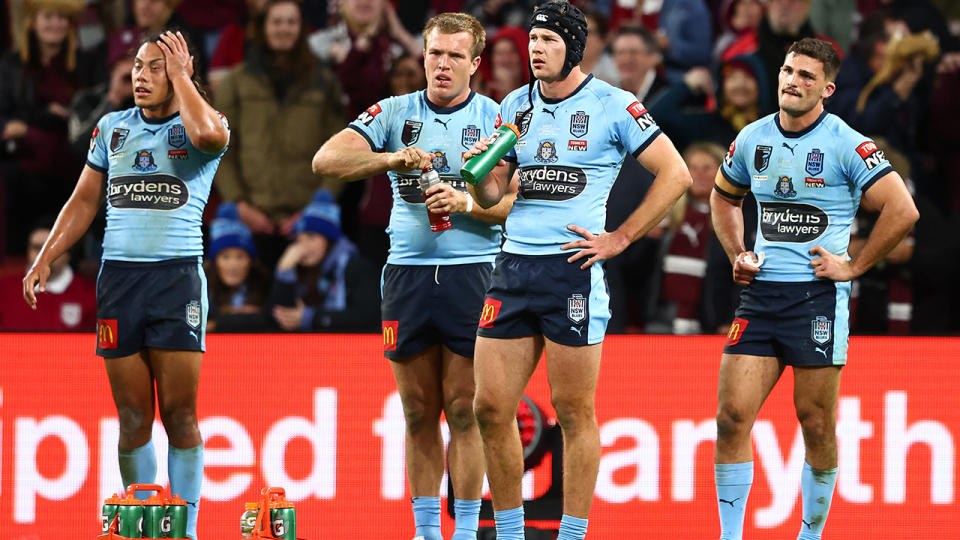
pixel 130 512
pixel 153 513
pixel 108 512
pixel 174 523
pixel 283 521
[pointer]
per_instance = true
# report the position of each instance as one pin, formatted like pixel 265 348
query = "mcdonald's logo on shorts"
pixel 491 308
pixel 390 335
pixel 736 330
pixel 107 333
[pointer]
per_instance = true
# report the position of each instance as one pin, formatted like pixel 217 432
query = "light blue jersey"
pixel 568 156
pixel 157 186
pixel 807 185
pixel 447 132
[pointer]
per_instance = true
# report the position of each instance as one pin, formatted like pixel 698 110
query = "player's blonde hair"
pixel 453 23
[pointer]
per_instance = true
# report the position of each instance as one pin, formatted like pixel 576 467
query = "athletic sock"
pixel 426 516
pixel 509 523
pixel 733 482
pixel 572 528
pixel 138 466
pixel 468 519
pixel 185 468
pixel 816 489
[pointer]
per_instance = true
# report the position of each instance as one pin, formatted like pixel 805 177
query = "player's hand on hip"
pixel 597 247
pixel 409 159
pixel 830 266
pixel 35 281
pixel 745 267
pixel 176 55
pixel 445 198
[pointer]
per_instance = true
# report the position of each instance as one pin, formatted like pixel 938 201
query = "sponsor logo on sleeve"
pixel 367 116
pixel 761 157
pixel 107 333
pixel 411 132
pixel 390 330
pixel 470 136
pixel 579 124
pixel 489 313
pixel 871 154
pixel 551 183
pixel 499 122
pixel 117 139
pixel 641 115
pixel 792 222
pixel 176 136
pixel 93 138
pixel 728 159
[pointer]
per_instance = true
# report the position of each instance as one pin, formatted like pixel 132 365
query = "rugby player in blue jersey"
pixel 808 171
pixel 155 164
pixel 433 283
pixel 575 132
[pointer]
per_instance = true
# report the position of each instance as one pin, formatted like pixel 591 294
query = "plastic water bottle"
pixel 438 222
pixel 480 165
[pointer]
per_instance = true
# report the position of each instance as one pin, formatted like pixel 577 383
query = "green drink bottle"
pixel 174 524
pixel 109 511
pixel 152 517
pixel 130 512
pixel 283 521
pixel 480 165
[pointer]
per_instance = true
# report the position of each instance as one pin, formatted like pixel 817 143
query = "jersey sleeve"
pixel 372 124
pixel 97 154
pixel 736 177
pixel 632 124
pixel 865 163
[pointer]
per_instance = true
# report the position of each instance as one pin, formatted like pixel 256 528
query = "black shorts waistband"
pixel 547 257
pixel 152 264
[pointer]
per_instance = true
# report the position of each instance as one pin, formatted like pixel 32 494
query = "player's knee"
pixel 459 413
pixel 489 412
pixel 574 415
pixel 817 424
pixel 419 415
pixel 179 421
pixel 133 421
pixel 732 421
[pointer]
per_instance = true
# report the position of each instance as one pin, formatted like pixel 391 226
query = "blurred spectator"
pixel 637 57
pixel 321 283
pixel 687 111
pixel 362 48
pixel 737 18
pixel 685 36
pixel 834 18
pixel 785 21
pixel 231 47
pixel 597 58
pixel 504 64
pixel 282 105
pixel 867 55
pixel 373 210
pixel 37 82
pixel 237 282
pixel 208 17
pixel 152 16
pixel 497 13
pixel 685 265
pixel 90 104
pixel 68 303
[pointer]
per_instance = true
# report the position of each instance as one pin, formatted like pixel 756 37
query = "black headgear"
pixel 568 21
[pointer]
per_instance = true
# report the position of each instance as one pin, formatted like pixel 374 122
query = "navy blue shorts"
pixel 424 306
pixel 151 304
pixel 803 324
pixel 545 295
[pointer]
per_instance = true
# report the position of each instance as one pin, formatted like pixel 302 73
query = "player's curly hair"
pixel 197 81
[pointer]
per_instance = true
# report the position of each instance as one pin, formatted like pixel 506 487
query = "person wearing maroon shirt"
pixel 69 302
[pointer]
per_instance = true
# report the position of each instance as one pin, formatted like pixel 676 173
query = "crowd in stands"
pixel 289 251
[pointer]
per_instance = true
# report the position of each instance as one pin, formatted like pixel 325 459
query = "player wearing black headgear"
pixel 569 23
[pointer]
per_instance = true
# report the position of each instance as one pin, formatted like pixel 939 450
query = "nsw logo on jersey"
pixel 470 136
pixel 792 222
pixel 149 192
pixel 814 162
pixel 546 152
pixel 117 139
pixel 367 116
pixel 411 132
pixel 551 183
pixel 176 136
pixel 761 157
pixel 640 114
pixel 871 154
pixel 579 124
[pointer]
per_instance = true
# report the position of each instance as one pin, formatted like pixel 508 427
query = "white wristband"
pixel 469 203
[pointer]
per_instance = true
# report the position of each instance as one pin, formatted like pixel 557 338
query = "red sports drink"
pixel 438 222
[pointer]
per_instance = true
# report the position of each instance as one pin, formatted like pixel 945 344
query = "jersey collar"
pixel 446 110
pixel 552 101
pixel 802 132
pixel 157 120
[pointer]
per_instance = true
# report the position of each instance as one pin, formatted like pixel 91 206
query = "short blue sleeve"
pixel 734 167
pixel 632 124
pixel 372 123
pixel 865 163
pixel 97 154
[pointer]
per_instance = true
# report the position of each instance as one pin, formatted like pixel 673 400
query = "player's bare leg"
pixel 131 382
pixel 573 373
pixel 465 455
pixel 815 395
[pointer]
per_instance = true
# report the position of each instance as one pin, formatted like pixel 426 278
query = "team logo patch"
pixel 736 330
pixel 177 136
pixel 579 124
pixel 107 333
pixel 576 145
pixel 761 157
pixel 576 308
pixel 546 152
pixel 177 154
pixel 814 162
pixel 489 313
pixel 411 132
pixel 820 330
pixel 728 159
pixel 440 163
pixel 118 138
pixel 640 114
pixel 522 121
pixel 367 116
pixel 144 161
pixel 471 134
pixel 193 313
pixel 390 330
pixel 784 189
pixel 815 182
pixel 70 313
pixel 871 154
